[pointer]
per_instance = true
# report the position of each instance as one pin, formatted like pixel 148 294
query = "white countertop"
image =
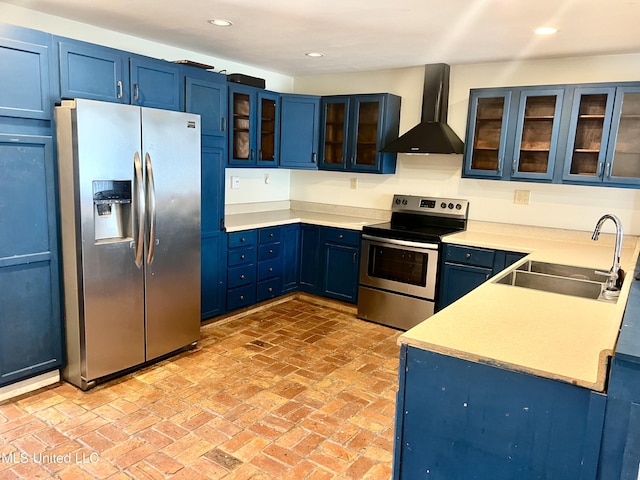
pixel 246 221
pixel 546 334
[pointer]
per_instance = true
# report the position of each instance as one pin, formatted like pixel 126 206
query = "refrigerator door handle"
pixel 151 195
pixel 141 207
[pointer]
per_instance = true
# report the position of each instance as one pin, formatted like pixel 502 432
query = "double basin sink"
pixel 556 278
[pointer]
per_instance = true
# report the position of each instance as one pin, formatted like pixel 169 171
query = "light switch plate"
pixel 235 183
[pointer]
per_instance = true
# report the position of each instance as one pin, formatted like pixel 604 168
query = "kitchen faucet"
pixel 611 289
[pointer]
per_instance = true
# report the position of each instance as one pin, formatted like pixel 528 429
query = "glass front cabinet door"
pixel 623 153
pixel 536 139
pixel 588 134
pixel 487 133
pixel 333 154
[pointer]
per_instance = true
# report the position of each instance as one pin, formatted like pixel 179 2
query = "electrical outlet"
pixel 522 197
pixel 354 183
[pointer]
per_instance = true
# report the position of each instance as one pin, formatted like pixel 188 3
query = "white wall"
pixel 560 206
pixel 254 187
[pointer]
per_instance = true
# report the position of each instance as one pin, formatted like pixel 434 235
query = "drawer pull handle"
pixel 341 236
pixel 241 297
pixel 468 256
pixel 271 235
pixel 270 269
pixel 242 257
pixel 270 289
pixel 242 277
pixel 242 239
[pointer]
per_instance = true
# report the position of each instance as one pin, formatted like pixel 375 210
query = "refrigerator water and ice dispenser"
pixel 112 210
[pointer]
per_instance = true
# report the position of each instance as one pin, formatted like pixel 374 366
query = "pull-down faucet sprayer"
pixel 611 289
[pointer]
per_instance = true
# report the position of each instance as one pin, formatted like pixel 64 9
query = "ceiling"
pixel 363 35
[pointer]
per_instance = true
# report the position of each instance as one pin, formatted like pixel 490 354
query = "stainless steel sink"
pixel 556 278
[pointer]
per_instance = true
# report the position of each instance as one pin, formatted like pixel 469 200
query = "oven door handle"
pixel 404 243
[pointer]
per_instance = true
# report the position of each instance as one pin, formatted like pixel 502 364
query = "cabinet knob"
pixel 242 257
pixel 242 277
pixel 270 250
pixel 271 235
pixel 242 239
pixel 270 269
pixel 341 236
pixel 270 289
pixel 241 297
pixel 468 256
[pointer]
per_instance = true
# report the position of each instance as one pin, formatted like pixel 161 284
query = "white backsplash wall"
pixel 559 206
pixel 253 185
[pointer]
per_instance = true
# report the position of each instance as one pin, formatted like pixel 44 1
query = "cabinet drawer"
pixel 242 275
pixel 342 236
pixel 240 256
pixel 470 256
pixel 269 288
pixel 269 269
pixel 243 238
pixel 268 251
pixel 269 234
pixel 241 297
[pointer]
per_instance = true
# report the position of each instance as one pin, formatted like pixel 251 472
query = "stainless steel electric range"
pixel 399 259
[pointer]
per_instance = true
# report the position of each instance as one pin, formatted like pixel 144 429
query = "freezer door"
pixel 112 314
pixel 171 152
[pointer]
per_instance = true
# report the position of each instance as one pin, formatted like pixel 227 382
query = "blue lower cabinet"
pixel 213 275
pixel 341 262
pixel 457 419
pixel 269 263
pixel 241 297
pixel 290 257
pixel 269 289
pixel 310 273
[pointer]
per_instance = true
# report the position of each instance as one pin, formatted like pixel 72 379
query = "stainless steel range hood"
pixel 432 134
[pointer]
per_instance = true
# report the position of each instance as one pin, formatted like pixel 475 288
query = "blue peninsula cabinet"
pixel 460 420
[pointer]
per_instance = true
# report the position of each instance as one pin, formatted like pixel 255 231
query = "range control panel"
pixel 451 207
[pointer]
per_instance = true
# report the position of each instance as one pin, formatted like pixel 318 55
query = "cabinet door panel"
pixel 155 83
pixel 214 274
pixel 623 154
pixel 335 119
pixel 30 320
pixel 341 272
pixel 537 134
pixel 487 133
pixel 212 179
pixel 299 131
pixel 242 129
pixel 458 280
pixel 209 100
pixel 93 72
pixel 24 76
pixel 588 134
pixel 310 258
pixel 268 125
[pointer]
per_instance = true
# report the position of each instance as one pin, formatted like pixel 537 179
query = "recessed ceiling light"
pixel 314 54
pixel 545 31
pixel 219 22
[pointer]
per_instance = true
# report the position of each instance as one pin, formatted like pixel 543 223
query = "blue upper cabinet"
pixel 93 72
pixel 622 166
pixel 589 127
pixel 206 95
pixel 254 132
pixel 101 73
pixel 486 140
pixel 354 130
pixel 513 139
pixel 155 83
pixel 25 73
pixel 299 131
pixel 538 125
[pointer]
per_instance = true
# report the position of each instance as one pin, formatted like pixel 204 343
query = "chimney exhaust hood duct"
pixel 432 134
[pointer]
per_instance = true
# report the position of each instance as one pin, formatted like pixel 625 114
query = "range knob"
pixel 451 206
pixel 458 206
pixel 404 201
pixel 443 205
pixel 398 201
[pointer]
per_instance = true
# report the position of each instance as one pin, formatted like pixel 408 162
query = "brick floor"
pixel 297 390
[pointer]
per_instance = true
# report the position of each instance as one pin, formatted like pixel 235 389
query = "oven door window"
pixel 399 265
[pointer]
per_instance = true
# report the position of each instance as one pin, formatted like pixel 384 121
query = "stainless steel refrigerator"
pixel 129 181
